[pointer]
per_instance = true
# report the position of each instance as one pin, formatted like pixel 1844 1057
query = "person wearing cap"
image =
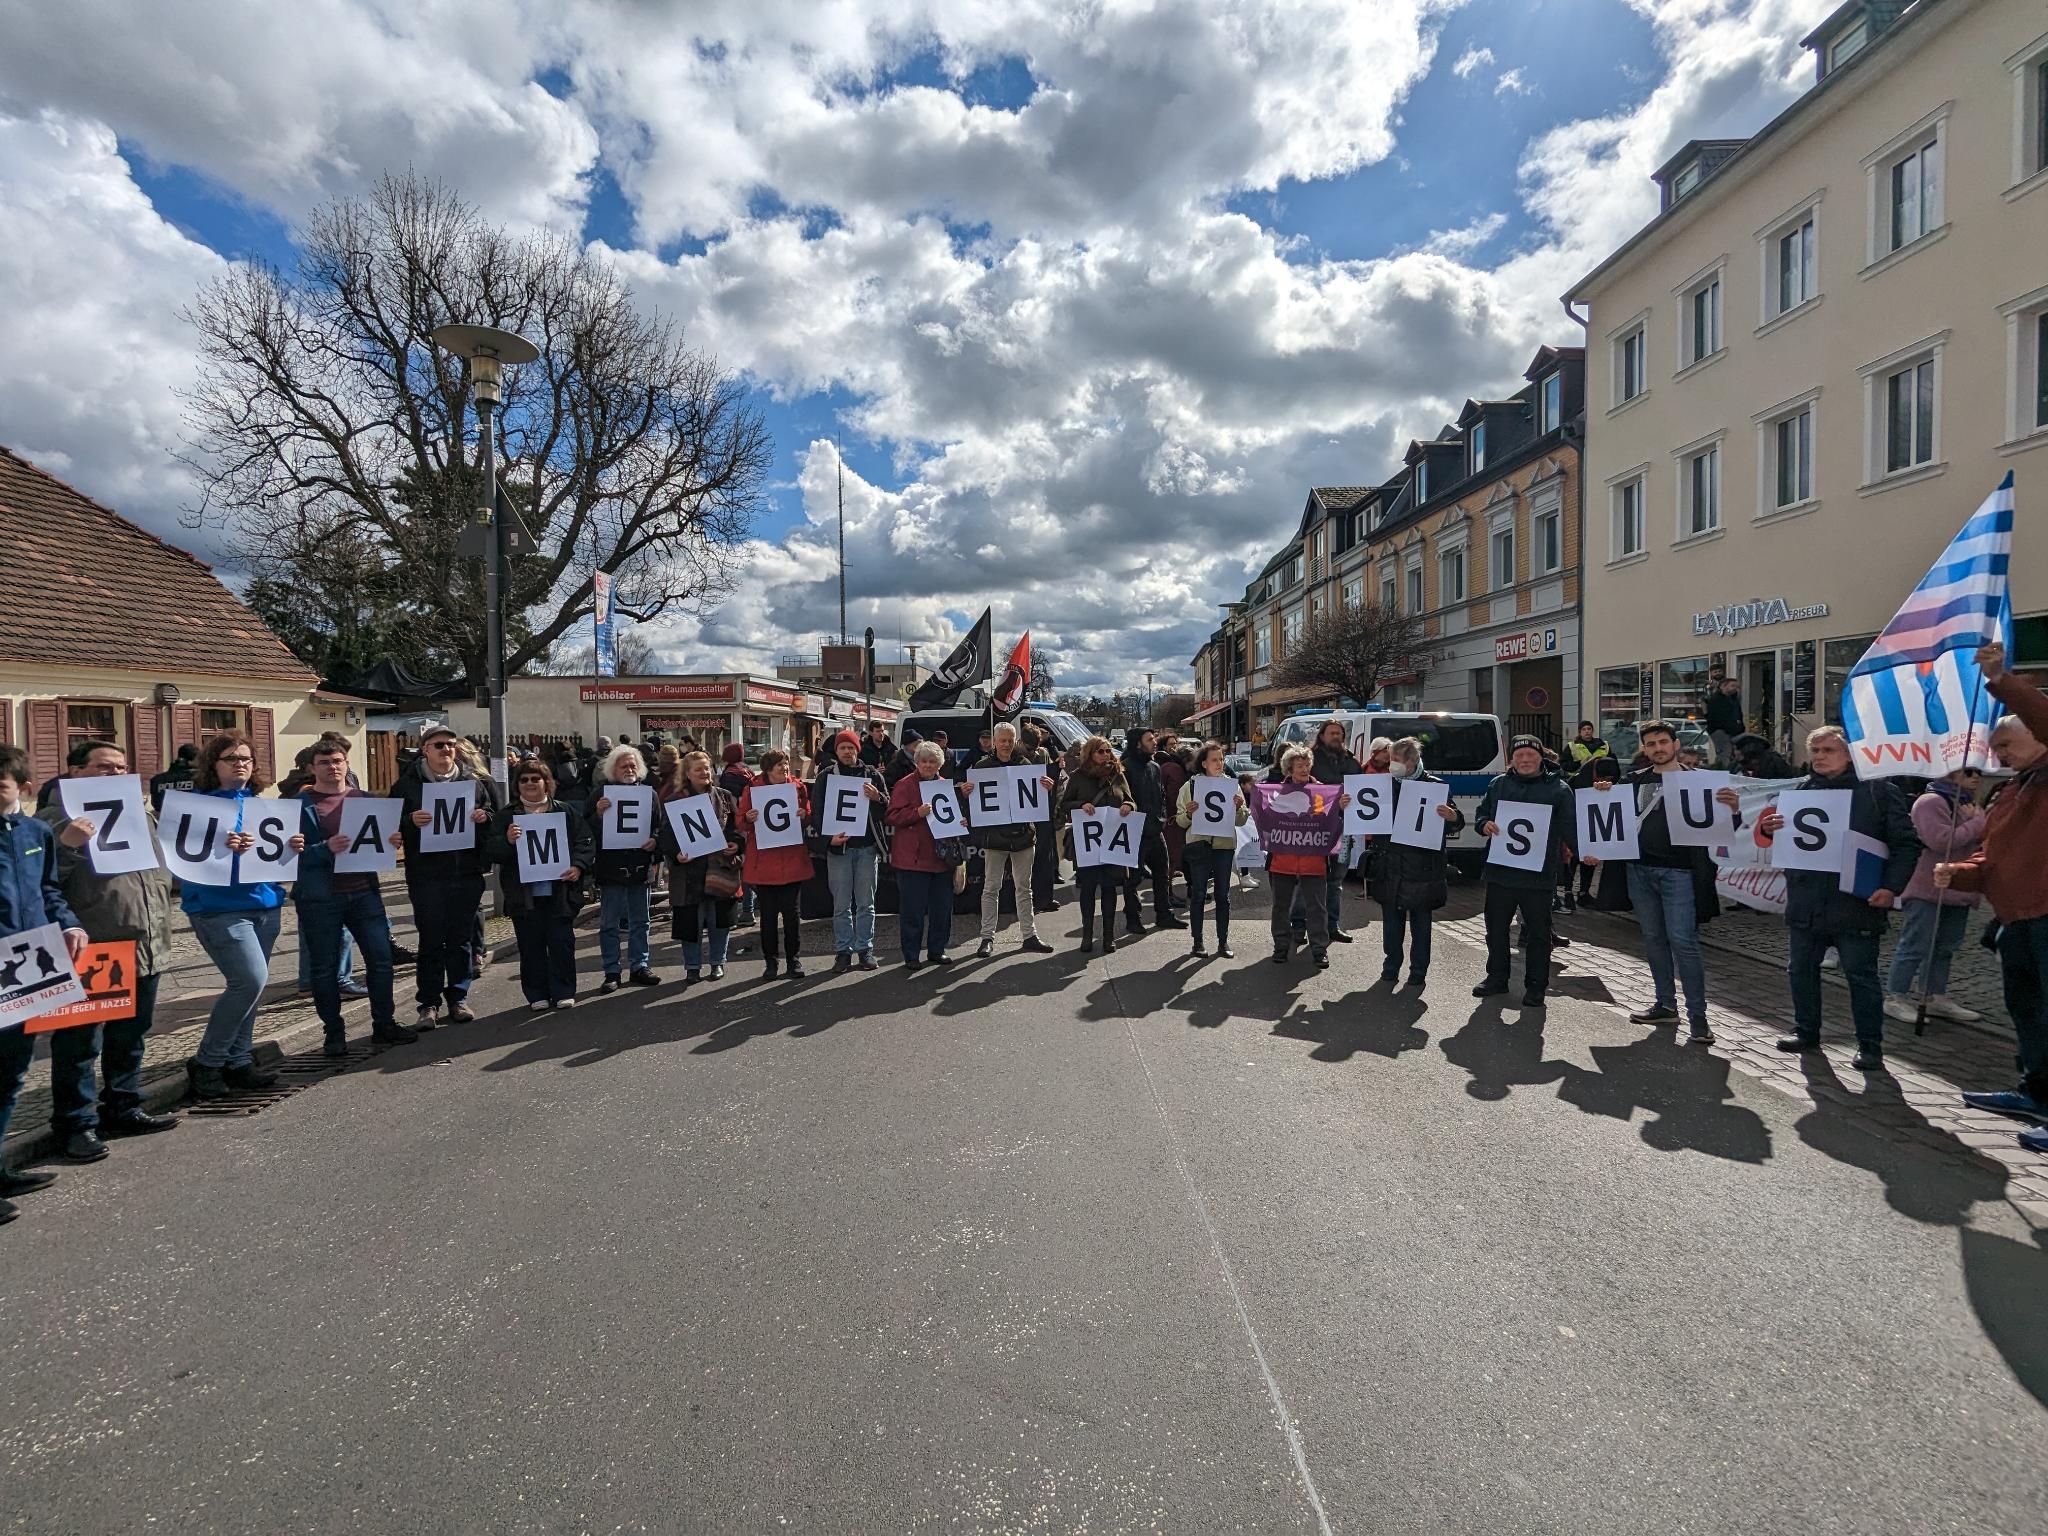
pixel 852 860
pixel 1528 781
pixel 446 889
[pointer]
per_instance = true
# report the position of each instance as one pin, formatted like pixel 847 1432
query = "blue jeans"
pixel 1663 899
pixel 852 873
pixel 1859 969
pixel 239 943
pixel 345 973
pixel 1928 926
pixel 326 924
pixel 117 1047
pixel 925 912
pixel 623 907
pixel 693 923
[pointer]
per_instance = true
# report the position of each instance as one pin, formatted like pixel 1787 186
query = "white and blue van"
pixel 1466 751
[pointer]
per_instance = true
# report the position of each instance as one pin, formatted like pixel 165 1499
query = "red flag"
pixel 1009 694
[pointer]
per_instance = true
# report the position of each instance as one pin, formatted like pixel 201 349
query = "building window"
pixel 2040 116
pixel 1623 697
pixel 1792 451
pixel 1548 533
pixel 1262 645
pixel 1909 417
pixel 1838 659
pixel 1500 554
pixel 1912 191
pixel 1701 336
pixel 217 719
pixel 1550 403
pixel 1450 576
pixel 1685 181
pixel 1415 600
pixel 1478 446
pixel 1422 480
pixel 1795 280
pixel 1631 365
pixel 1354 592
pixel 1699 489
pixel 1290 632
pixel 91 722
pixel 2041 370
pixel 1847 44
pixel 1389 594
pixel 1682 687
pixel 2026 320
pixel 1627 538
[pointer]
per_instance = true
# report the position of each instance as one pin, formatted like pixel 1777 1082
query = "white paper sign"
pixel 1249 854
pixel 945 819
pixel 630 821
pixel 542 847
pixel 1523 840
pixel 776 822
pixel 1816 830
pixel 844 812
pixel 1371 811
pixel 192 832
pixel 449 807
pixel 1107 838
pixel 113 804
pixel 988 797
pixel 1416 822
pixel 1029 799
pixel 1692 814
pixel 370 823
pixel 694 820
pixel 1608 825
pixel 1212 805
pixel 36 974
pixel 273 823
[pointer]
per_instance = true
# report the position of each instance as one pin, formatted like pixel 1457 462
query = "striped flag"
pixel 1916 703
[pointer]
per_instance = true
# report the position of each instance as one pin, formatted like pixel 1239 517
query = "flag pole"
pixel 1948 857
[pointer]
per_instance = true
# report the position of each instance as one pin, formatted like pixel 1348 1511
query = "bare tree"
pixel 324 414
pixel 635 656
pixel 1350 651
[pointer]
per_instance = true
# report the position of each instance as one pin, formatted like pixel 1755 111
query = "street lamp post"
pixel 486 349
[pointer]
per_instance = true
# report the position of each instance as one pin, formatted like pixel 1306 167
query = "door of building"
pixel 1757 672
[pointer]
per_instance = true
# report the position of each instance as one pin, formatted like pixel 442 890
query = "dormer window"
pixel 1847 43
pixel 1422 480
pixel 1685 181
pixel 1550 403
pixel 1478 446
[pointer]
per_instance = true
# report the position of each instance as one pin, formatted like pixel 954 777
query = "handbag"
pixel 722 878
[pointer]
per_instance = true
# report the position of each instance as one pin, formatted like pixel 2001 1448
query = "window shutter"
pixel 6 722
pixel 145 741
pixel 264 736
pixel 45 740
pixel 184 727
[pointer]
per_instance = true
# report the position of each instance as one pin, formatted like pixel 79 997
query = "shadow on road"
pixel 1684 1089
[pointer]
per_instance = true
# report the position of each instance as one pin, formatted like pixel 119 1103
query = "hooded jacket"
pixel 31 893
pixel 460 863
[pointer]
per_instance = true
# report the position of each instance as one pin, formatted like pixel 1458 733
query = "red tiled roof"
pixel 82 586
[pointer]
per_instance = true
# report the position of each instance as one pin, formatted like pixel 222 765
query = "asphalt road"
pixel 1046 1243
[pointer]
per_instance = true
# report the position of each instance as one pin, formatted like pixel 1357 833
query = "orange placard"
pixel 107 972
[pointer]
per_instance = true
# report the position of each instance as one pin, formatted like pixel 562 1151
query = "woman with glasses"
pixel 236 924
pixel 1096 784
pixel 703 921
pixel 1947 817
pixel 624 876
pixel 543 912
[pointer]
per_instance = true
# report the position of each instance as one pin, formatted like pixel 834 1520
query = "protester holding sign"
pixel 331 903
pixel 1095 786
pixel 131 906
pixel 1148 793
pixel 1208 853
pixel 1009 848
pixel 31 897
pixel 236 924
pixel 1331 762
pixel 852 857
pixel 776 870
pixel 704 877
pixel 1824 909
pixel 1045 862
pixel 1670 885
pixel 1511 888
pixel 543 912
pixel 1410 882
pixel 1299 839
pixel 624 873
pixel 446 888
pixel 924 877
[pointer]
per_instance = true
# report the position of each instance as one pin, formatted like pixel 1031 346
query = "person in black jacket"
pixel 1010 849
pixel 1822 916
pixel 1409 883
pixel 1756 758
pixel 1527 891
pixel 852 860
pixel 623 878
pixel 1148 792
pixel 446 889
pixel 1724 718
pixel 1045 858
pixel 878 750
pixel 543 913
pixel 1330 759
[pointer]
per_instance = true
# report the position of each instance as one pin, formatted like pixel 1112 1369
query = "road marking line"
pixel 1287 1424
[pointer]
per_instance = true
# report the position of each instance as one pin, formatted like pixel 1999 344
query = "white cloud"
pixel 1471 59
pixel 1511 83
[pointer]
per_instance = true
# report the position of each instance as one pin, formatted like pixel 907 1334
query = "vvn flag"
pixel 604 637
pixel 1009 695
pixel 972 661
pixel 1916 703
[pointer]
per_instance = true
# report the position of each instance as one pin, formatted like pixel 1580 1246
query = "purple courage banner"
pixel 1298 818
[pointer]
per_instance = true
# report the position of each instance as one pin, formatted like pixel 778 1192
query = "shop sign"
pixel 783 698
pixel 675 692
pixel 1755 613
pixel 1537 642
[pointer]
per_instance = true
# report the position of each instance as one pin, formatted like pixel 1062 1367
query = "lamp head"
pixel 486 349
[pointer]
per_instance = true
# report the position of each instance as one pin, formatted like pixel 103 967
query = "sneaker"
pixel 1901 1009
pixel 1702 1031
pixel 2035 1140
pixel 643 977
pixel 1037 946
pixel 1339 936
pixel 1868 1058
pixel 1321 958
pixel 354 992
pixel 1559 941
pixel 843 961
pixel 718 973
pixel 207 1083
pixel 611 984
pixel 539 1007
pixel 1656 1013
pixel 866 959
pixel 429 1016
pixel 461 1013
pixel 2011 1102
pixel 1796 1044
pixel 565 1002
pixel 984 949
pixel 1941 1007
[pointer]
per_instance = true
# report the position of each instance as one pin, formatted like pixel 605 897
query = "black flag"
pixel 972 661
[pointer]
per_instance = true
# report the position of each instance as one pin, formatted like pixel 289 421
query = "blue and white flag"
pixel 605 638
pixel 1916 703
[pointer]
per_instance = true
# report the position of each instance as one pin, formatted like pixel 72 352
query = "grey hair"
pixel 1826 733
pixel 929 752
pixel 609 766
pixel 1379 744
pixel 1289 757
pixel 1003 728
pixel 1406 747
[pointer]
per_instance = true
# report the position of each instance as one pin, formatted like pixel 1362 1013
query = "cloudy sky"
pixel 1087 292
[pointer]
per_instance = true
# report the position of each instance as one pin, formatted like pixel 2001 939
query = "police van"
pixel 1466 751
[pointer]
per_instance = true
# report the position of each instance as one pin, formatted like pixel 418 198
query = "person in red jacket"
pixel 776 875
pixel 924 880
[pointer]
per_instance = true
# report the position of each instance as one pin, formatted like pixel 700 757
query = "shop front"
pixel 1525 672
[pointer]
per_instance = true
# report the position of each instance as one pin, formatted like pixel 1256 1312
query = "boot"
pixel 1223 951
pixel 1088 935
pixel 207 1082
pixel 334 1044
pixel 249 1078
pixel 1109 931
